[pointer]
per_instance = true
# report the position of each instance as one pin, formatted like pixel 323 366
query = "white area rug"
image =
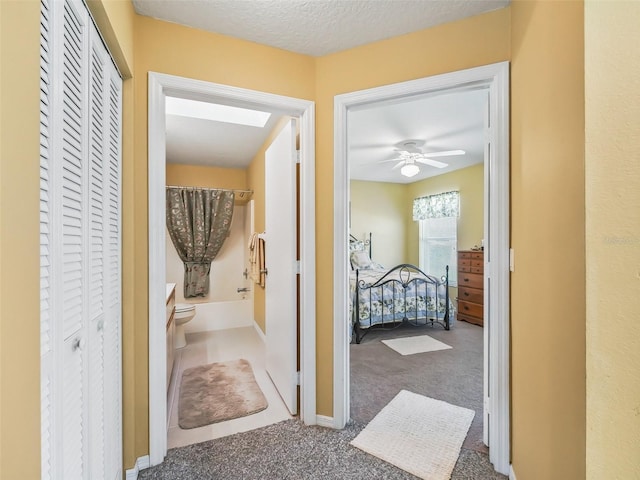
pixel 418 434
pixel 419 344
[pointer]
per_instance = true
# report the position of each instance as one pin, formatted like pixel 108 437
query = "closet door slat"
pixel 46 354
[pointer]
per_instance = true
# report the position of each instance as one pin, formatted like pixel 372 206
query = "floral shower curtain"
pixel 198 220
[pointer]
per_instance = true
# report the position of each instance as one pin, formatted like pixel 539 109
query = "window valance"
pixel 437 206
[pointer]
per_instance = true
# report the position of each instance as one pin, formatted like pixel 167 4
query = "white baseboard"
pixel 324 421
pixel 512 474
pixel 260 332
pixel 142 463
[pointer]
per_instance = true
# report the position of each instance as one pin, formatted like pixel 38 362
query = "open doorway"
pixel 493 79
pixel 428 151
pixel 163 86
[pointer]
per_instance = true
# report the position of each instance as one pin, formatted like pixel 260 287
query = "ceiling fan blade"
pixel 394 159
pixel 445 153
pixel 433 163
pixel 398 165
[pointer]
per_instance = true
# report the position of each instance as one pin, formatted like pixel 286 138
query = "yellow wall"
pixel 470 183
pixel 380 208
pixel 19 240
pixel 612 90
pixel 209 177
pixel 547 232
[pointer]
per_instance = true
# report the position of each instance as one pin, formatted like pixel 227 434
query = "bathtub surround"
pixel 198 221
pixel 217 392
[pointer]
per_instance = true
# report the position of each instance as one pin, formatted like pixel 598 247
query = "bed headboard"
pixel 367 241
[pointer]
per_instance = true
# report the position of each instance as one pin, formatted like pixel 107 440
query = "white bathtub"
pixel 221 315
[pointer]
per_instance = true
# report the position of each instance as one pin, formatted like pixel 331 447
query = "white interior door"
pixel 280 260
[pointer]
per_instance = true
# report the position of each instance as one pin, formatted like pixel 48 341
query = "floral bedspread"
pixel 392 303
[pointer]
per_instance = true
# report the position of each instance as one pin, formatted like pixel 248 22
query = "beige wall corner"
pixel 612 93
pixel 547 230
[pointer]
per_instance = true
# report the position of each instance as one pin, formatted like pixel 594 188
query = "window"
pixel 438 247
pixel 438 217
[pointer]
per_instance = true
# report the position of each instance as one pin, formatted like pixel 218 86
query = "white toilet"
pixel 184 313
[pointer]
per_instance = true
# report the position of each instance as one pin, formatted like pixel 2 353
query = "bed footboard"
pixel 403 295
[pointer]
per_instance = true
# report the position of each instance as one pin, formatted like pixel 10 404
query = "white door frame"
pixel 495 78
pixel 161 85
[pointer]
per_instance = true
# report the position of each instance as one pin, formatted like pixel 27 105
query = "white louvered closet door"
pixel 80 248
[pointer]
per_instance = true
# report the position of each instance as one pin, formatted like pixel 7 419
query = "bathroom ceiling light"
pixel 410 169
pixel 216 112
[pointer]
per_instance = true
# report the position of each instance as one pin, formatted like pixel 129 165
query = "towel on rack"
pixel 256 259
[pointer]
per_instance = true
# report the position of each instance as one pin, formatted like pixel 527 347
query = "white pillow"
pixel 360 260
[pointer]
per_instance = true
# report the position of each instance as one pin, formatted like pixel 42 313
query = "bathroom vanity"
pixel 171 328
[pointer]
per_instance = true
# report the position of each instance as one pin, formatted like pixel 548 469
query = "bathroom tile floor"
pixel 219 346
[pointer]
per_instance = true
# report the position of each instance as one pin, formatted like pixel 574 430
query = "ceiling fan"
pixel 410 154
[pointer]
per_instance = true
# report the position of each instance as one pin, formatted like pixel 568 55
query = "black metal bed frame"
pixel 408 275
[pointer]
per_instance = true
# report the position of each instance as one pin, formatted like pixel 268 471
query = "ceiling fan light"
pixel 410 169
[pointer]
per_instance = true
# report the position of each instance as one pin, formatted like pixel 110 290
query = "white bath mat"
pixel 418 434
pixel 419 344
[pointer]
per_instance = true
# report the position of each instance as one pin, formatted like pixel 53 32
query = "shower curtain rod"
pixel 240 193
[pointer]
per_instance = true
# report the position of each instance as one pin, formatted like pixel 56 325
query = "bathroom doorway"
pixel 161 86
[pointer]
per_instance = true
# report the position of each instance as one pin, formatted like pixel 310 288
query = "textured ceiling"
pixel 313 27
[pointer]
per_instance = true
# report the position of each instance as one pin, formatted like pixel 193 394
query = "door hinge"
pixel 297 267
pixel 297 156
pixel 298 377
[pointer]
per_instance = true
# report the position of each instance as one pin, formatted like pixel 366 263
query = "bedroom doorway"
pixel 492 79
pixel 161 86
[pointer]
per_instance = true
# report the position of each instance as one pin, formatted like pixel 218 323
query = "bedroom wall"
pixel 226 270
pixel 380 208
pixel 470 183
pixel 612 68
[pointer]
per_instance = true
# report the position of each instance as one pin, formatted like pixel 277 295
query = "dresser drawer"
pixel 464 256
pixel 476 269
pixel 470 295
pixel 473 280
pixel 464 262
pixel 471 309
pixel 477 255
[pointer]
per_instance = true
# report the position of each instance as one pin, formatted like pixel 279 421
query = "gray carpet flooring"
pixel 290 450
pixel 378 373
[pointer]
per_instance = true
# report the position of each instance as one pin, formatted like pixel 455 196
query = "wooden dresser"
pixel 471 286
